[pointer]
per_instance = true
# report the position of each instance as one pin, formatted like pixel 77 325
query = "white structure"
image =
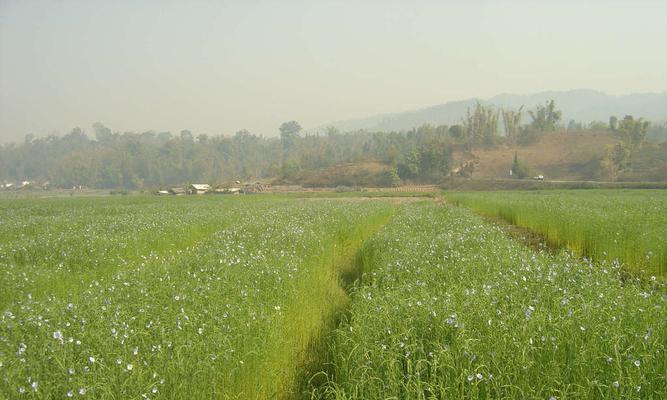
pixel 199 188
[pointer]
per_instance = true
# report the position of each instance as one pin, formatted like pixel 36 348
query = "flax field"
pixel 269 296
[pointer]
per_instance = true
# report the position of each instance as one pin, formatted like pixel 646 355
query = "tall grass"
pixel 629 226
pixel 169 297
pixel 450 307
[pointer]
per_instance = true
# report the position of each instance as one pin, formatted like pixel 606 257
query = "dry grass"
pixel 560 155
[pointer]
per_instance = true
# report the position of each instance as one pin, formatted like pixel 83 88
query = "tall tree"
pixel 545 117
pixel 633 131
pixel 481 125
pixel 512 122
pixel 289 132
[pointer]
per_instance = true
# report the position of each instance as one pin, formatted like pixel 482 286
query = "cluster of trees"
pixel 137 160
pixel 632 133
pixel 657 131
pixel 481 125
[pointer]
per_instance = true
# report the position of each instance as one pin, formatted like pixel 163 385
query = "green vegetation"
pixel 301 296
pixel 632 133
pixel 481 125
pixel 545 117
pixel 150 160
pixel 449 307
pixel 424 154
pixel 169 297
pixel 629 226
pixel 520 170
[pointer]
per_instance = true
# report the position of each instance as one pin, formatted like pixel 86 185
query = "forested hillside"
pixel 486 143
pixel 149 159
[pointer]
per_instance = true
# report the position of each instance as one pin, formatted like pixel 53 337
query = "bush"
pixel 522 170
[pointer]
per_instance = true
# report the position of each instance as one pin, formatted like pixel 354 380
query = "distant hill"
pixel 570 156
pixel 579 105
pixel 561 156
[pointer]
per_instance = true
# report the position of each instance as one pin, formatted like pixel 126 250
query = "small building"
pixel 26 185
pixel 233 190
pixel 162 192
pixel 199 188
pixel 177 191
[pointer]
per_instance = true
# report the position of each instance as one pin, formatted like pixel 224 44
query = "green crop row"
pixel 627 226
pixel 172 298
pixel 257 297
pixel 449 306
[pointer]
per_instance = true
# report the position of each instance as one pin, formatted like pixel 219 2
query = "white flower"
pixel 616 384
pixel 82 391
pixel 70 394
pixel 129 367
pixel 637 363
pixel 91 359
pixel 529 312
pixel 58 335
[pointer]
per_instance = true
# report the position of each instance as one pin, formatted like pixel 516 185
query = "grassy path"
pixel 299 340
pixel 173 298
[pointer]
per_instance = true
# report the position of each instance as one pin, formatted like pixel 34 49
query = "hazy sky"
pixel 221 66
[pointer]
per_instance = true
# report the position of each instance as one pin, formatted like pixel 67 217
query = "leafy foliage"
pixel 132 160
pixel 481 125
pixel 545 117
pixel 520 169
pixel 450 307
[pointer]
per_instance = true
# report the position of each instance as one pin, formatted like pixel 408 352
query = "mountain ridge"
pixel 581 105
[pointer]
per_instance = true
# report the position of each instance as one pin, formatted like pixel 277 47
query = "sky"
pixel 217 67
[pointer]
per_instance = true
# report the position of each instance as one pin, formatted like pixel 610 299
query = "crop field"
pixel 259 297
pixel 629 226
pixel 450 307
pixel 176 298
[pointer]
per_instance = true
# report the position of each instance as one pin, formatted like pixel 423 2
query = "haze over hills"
pixel 579 105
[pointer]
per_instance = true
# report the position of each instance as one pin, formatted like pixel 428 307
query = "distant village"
pixel 205 188
pixel 24 185
pixel 191 189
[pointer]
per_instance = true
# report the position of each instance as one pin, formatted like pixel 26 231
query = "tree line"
pixel 144 160
pixel 108 159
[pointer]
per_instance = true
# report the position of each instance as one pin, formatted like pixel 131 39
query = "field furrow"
pixel 627 226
